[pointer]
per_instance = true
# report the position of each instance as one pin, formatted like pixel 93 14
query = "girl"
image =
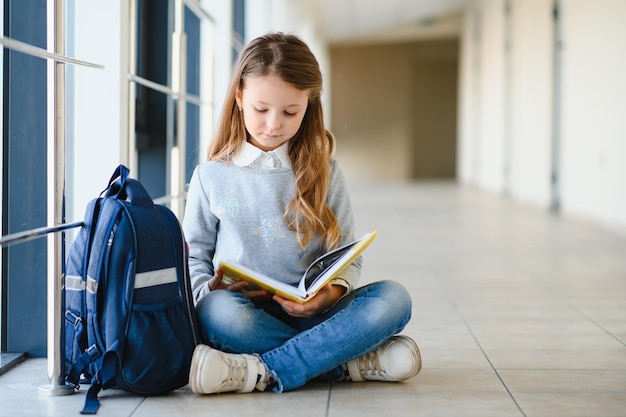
pixel 272 198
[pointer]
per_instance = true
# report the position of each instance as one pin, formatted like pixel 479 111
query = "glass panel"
pixel 199 127
pixel 24 181
pixel 238 29
pixel 239 7
pixel 192 30
pixel 153 125
pixel 153 109
pixel 153 40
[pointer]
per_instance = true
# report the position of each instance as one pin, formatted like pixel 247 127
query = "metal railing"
pixel 55 56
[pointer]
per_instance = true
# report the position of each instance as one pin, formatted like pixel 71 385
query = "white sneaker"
pixel 397 359
pixel 214 371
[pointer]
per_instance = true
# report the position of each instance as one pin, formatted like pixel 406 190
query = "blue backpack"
pixel 129 316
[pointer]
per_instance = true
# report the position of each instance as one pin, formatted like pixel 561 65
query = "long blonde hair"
pixel 310 150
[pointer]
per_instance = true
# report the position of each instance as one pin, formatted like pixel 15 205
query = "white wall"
pixel 482 113
pixel 492 104
pixel 531 89
pixel 594 110
pixel 592 157
pixel 469 97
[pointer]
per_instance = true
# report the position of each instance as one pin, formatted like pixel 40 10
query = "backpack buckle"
pixel 72 318
pixel 93 352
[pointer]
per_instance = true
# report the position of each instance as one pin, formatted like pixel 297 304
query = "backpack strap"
pixel 73 375
pixel 122 187
pixel 110 365
pixel 120 172
pixel 135 193
pixel 92 403
pixel 81 365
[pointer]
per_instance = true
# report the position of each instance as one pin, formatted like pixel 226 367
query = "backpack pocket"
pixel 160 343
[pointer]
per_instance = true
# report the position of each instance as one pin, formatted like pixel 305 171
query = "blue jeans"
pixel 296 350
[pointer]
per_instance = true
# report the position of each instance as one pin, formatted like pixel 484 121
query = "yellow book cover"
pixel 318 274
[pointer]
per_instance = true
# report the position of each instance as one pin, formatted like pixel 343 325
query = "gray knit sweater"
pixel 236 213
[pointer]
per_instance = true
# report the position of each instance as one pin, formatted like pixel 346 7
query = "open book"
pixel 318 274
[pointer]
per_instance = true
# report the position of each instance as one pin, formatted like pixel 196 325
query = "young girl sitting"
pixel 272 198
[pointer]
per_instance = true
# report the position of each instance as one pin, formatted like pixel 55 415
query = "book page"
pixel 335 261
pixel 322 264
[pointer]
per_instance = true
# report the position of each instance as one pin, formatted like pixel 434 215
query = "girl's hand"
pixel 323 300
pixel 216 283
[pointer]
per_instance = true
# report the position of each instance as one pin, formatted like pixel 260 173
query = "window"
pixel 171 86
pixel 171 80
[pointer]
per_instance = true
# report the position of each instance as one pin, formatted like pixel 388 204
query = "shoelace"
pixel 369 364
pixel 237 374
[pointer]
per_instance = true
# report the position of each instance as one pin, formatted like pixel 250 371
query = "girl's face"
pixel 272 110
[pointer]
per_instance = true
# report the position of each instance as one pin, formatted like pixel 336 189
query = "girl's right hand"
pixel 216 283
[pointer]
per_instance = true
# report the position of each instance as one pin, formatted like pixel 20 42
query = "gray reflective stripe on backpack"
pixel 157 277
pixel 92 285
pixel 74 283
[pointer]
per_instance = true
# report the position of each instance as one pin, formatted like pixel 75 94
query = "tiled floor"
pixel 517 313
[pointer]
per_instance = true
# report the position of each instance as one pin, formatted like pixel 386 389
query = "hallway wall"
pixel 531 108
pixel 394 109
pixel 594 110
pixel 543 121
pixel 506 84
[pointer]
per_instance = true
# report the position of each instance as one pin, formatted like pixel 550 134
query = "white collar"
pixel 248 154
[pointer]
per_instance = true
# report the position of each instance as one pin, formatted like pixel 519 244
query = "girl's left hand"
pixel 217 283
pixel 323 300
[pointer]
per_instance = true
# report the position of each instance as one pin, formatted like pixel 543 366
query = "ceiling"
pixel 360 21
